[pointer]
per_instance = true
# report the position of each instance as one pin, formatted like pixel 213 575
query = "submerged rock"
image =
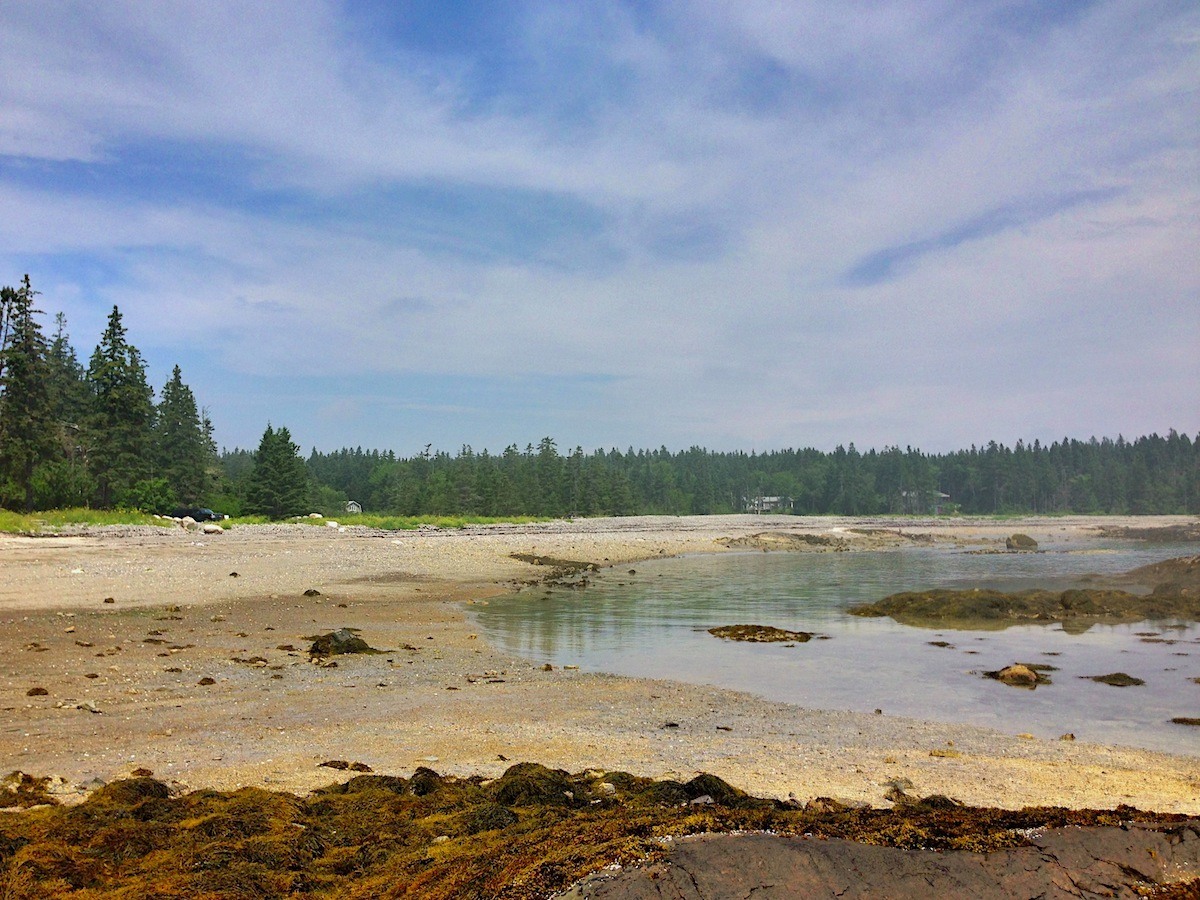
pixel 1116 679
pixel 759 634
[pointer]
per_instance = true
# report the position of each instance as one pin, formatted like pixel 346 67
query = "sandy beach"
pixel 203 677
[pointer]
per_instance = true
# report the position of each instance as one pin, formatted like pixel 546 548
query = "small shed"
pixel 353 507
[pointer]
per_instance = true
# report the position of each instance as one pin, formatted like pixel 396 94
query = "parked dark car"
pixel 198 513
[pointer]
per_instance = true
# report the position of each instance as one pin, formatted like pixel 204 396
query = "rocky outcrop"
pixel 1060 863
pixel 1175 596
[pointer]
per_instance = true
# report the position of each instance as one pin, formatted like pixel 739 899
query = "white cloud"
pixel 1027 192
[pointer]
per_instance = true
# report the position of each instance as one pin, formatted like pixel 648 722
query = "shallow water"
pixel 653 624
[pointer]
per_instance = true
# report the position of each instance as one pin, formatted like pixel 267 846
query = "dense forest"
pixel 94 436
pixel 1148 475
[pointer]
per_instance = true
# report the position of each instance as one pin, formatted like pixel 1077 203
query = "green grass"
pixel 49 521
pixel 52 520
pixel 397 523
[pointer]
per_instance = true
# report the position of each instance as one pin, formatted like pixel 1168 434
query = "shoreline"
pixel 450 702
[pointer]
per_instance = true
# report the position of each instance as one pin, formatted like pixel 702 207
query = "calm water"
pixel 653 623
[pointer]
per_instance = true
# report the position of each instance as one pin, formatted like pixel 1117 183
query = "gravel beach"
pixel 128 648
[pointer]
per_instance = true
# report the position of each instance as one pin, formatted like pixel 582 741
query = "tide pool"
pixel 652 622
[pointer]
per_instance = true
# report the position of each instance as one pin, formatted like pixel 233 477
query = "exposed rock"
pixel 37 692
pixel 1077 609
pixel 1186 720
pixel 1021 542
pixel 335 643
pixel 759 634
pixel 1058 862
pixel 211 528
pixel 1018 675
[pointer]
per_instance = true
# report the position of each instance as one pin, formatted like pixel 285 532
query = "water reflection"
pixel 653 623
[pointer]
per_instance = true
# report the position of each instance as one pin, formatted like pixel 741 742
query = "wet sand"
pixel 441 697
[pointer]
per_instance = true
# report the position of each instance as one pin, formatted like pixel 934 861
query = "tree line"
pixel 1151 474
pixel 94 436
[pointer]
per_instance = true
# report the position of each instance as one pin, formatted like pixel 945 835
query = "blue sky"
pixel 743 226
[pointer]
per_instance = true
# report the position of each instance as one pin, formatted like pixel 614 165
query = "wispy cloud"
pixel 788 223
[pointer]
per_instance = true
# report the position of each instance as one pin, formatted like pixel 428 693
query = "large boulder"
pixel 1021 542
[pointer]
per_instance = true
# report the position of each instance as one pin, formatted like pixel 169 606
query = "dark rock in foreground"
pixel 1059 863
pixel 535 830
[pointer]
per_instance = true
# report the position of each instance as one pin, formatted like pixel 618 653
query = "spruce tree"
pixel 26 426
pixel 278 484
pixel 64 481
pixel 181 445
pixel 121 415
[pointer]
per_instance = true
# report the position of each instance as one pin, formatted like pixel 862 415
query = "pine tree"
pixel 26 426
pixel 278 484
pixel 181 444
pixel 121 415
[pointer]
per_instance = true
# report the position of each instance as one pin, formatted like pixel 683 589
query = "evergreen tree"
pixel 119 426
pixel 64 480
pixel 182 444
pixel 26 432
pixel 278 484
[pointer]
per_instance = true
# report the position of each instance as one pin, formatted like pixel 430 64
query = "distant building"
pixel 353 507
pixel 925 502
pixel 768 504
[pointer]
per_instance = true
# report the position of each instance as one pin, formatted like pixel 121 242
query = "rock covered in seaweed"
pixel 760 634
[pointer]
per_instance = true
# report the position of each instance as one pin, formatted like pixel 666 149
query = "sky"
pixel 742 226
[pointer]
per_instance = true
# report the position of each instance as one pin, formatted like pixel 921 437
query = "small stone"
pixel 312 592
pixel 334 764
pixel 547 668
pixel 607 787
pixel 37 692
pixel 141 772
pixel 110 600
pixel 1069 736
pixel 206 681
